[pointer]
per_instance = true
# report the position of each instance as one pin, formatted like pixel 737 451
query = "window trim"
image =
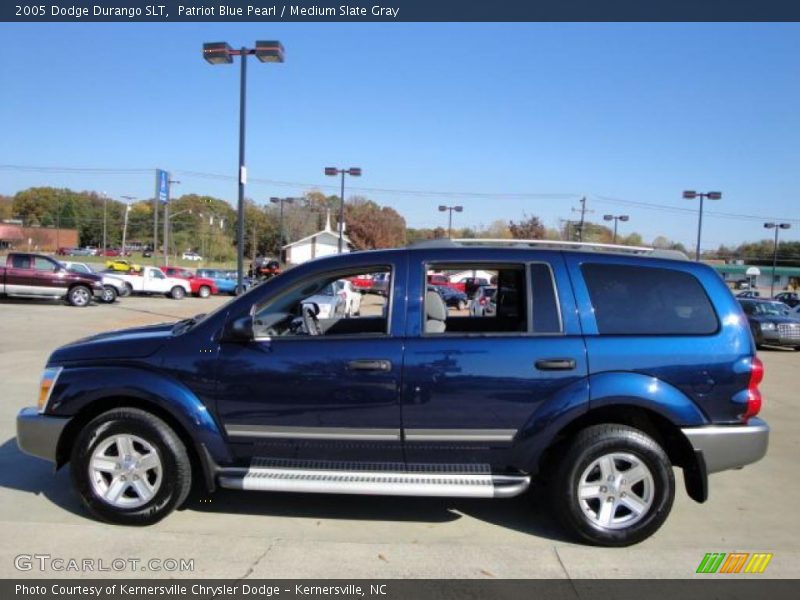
pixel 716 331
pixel 525 265
pixel 340 336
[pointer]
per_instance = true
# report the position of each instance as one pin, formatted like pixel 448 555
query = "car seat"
pixel 435 313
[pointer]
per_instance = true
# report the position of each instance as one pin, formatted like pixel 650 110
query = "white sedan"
pixel 352 297
pixel 191 256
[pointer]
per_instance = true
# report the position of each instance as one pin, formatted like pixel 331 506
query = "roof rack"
pixel 550 245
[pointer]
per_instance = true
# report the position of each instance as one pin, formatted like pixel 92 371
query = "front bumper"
pixel 38 434
pixel 729 446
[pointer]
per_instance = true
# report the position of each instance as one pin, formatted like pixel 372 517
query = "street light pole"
pixel 281 241
pixel 615 218
pixel 218 53
pixel 450 209
pixel 332 172
pixel 166 222
pixel 105 218
pixel 125 221
pixel 777 227
pixel 691 195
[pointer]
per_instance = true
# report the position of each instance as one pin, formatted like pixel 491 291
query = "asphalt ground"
pixel 259 535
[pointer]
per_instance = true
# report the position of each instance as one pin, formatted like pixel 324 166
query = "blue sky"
pixel 620 113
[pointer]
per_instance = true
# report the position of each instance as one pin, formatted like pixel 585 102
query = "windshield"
pixel 775 309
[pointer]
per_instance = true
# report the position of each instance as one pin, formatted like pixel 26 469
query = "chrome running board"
pixel 385 479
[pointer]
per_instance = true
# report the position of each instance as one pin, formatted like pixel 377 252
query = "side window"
pixel 158 274
pixel 332 304
pixel 546 313
pixel 42 264
pixel 19 261
pixel 465 298
pixel 630 300
pixel 77 268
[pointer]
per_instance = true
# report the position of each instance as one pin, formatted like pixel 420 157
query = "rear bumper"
pixel 729 446
pixel 38 434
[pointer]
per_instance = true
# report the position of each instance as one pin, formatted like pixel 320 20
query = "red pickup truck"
pixel 37 276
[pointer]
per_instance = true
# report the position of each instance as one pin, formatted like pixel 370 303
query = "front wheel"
pixel 177 293
pixel 79 295
pixel 130 467
pixel 614 486
pixel 109 294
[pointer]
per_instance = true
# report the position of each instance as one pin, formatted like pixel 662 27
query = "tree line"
pixel 208 225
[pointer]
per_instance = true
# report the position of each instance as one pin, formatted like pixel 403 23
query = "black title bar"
pixel 400 10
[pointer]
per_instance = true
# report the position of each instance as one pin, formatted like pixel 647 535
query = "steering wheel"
pixel 310 321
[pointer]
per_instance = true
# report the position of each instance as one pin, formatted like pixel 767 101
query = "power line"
pixel 405 192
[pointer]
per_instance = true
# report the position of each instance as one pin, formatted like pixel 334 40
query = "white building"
pixel 316 245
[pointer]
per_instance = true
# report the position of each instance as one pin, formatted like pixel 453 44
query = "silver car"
pixel 112 286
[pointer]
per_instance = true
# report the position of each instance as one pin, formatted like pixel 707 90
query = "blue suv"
pixel 600 370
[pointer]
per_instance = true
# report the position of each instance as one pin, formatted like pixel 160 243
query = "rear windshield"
pixel 631 300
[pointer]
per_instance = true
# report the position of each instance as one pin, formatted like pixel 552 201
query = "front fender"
pixel 645 391
pixel 79 387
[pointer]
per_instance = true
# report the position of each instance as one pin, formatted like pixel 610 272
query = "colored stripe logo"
pixel 734 562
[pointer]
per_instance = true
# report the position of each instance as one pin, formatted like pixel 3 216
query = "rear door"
pixel 471 392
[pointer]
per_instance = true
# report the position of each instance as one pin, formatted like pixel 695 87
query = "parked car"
pixel 452 298
pixel 749 294
pixel 202 287
pixel 264 268
pixel 147 253
pixel 790 299
pixel 225 280
pixel 379 284
pixel 194 256
pixel 122 265
pixel 27 275
pixel 440 280
pixel 81 252
pixel 330 302
pixel 150 280
pixel 483 303
pixel 113 286
pixel 573 385
pixel 772 323
pixel 473 284
pixel 352 297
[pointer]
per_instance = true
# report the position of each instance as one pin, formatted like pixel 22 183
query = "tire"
pixel 109 294
pixel 79 295
pixel 168 482
pixel 129 289
pixel 177 293
pixel 204 291
pixel 587 460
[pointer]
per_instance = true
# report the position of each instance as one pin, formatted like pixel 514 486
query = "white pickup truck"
pixel 150 280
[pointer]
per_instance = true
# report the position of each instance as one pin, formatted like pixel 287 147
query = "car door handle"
pixel 555 364
pixel 369 364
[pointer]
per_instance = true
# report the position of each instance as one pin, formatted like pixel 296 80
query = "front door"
pixel 473 384
pixel 315 387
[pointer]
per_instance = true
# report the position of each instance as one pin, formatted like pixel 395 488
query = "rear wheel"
pixel 204 291
pixel 128 288
pixel 177 293
pixel 109 294
pixel 130 467
pixel 79 295
pixel 614 486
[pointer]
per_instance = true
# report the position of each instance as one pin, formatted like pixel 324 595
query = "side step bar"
pixel 386 479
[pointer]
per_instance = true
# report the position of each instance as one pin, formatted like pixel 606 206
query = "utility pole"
pixel 583 210
pixel 105 219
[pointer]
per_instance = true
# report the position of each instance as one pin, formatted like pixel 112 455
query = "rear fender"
pixel 651 393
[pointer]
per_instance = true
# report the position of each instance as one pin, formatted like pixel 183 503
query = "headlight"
pixel 46 384
pixel 767 326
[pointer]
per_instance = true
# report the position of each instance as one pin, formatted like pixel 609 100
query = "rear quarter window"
pixel 632 300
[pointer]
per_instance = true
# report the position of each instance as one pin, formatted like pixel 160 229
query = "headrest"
pixel 435 307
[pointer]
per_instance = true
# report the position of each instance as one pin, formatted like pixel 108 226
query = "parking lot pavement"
pixel 232 534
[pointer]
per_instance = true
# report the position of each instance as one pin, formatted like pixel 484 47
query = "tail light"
pixel 483 301
pixel 753 394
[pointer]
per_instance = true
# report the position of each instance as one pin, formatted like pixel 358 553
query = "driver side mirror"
pixel 240 330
